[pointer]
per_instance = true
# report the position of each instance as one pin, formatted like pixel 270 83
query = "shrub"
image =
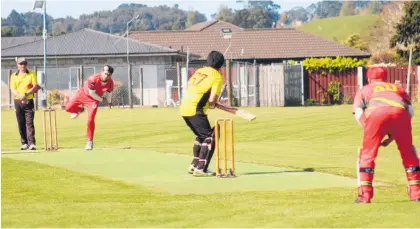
pixel 311 102
pixel 338 64
pixel 334 91
pixel 55 97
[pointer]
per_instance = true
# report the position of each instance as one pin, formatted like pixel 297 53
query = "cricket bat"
pixel 238 112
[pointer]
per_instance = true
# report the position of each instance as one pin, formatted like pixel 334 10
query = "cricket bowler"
pixel 384 109
pixel 90 95
pixel 204 88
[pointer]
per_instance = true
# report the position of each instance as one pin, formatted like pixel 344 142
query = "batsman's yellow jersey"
pixel 204 81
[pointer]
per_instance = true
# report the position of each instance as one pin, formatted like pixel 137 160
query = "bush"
pixel 120 95
pixel 334 91
pixel 311 102
pixel 385 57
pixel 338 64
pixel 55 97
pixel 347 100
pixel 324 97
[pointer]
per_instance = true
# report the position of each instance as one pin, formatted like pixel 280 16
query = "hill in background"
pixel 340 28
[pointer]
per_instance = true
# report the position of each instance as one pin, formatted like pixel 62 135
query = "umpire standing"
pixel 23 84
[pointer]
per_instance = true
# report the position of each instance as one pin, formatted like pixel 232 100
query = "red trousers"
pixel 75 106
pixel 383 121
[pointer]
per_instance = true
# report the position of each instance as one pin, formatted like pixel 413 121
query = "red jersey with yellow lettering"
pixel 380 94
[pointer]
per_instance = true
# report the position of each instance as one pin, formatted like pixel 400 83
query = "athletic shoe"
pixel 191 169
pixel 24 147
pixel 74 115
pixel 89 145
pixel 357 201
pixel 201 173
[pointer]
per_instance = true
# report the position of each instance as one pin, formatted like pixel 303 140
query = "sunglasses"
pixel 24 64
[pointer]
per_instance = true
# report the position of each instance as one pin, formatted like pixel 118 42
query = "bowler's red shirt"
pixel 94 82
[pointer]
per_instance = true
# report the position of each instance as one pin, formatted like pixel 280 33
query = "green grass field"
pixel 136 176
pixel 340 28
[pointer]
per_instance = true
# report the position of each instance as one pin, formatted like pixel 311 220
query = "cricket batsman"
pixel 204 88
pixel 95 88
pixel 384 109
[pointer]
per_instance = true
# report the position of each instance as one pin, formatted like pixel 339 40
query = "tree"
pixel 213 16
pixel 241 18
pixel 408 31
pixel 283 19
pixel 259 18
pixel 110 21
pixel 225 14
pixel 16 19
pixel 355 41
pixel 269 6
pixel 327 9
pixel 347 9
pixel 179 24
pixel 58 28
pixel 194 17
pixel 8 31
pixel 373 7
pixel 385 27
pixel 297 14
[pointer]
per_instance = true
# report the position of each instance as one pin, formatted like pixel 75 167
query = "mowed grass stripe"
pixel 43 196
pixel 323 138
pixel 168 172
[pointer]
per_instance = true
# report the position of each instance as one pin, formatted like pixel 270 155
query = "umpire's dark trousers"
pixel 25 114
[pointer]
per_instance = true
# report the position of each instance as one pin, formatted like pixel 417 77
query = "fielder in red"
pixel 384 109
pixel 95 88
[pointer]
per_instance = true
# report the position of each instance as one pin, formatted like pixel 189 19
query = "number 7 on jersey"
pixel 197 78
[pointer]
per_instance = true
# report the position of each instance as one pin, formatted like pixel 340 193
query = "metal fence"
pixel 161 85
pixel 148 84
pixel 262 85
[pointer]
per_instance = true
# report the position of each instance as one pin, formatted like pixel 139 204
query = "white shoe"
pixel 201 173
pixel 32 147
pixel 191 169
pixel 74 115
pixel 24 147
pixel 89 145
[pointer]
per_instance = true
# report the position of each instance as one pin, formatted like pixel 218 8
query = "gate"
pixel 293 93
pixel 73 80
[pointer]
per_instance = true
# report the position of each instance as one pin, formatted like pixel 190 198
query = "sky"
pixel 75 8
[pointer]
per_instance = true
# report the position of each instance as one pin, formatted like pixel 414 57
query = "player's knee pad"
pixel 207 143
pixel 197 148
pixel 206 147
pixel 210 152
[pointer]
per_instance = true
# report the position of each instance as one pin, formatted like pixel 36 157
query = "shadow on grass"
pixel 305 170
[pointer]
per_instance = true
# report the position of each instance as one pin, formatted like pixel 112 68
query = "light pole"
pixel 129 70
pixel 128 29
pixel 227 34
pixel 42 4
